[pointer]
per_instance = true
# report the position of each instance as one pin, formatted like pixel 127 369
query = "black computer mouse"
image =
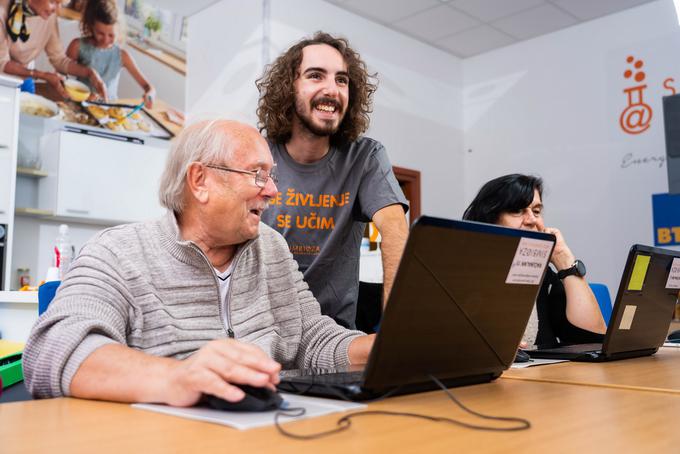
pixel 674 336
pixel 522 356
pixel 256 399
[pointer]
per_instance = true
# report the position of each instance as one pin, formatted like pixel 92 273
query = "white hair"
pixel 205 141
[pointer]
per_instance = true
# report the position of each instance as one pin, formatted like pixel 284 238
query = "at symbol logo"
pixel 637 116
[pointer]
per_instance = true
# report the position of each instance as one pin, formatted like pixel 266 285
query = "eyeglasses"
pixel 261 176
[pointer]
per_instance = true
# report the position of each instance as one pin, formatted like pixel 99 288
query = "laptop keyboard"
pixel 578 348
pixel 326 377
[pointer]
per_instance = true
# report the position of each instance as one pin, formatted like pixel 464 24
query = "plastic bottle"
pixel 63 251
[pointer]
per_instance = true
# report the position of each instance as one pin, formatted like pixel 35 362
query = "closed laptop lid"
pixel 645 301
pixel 460 302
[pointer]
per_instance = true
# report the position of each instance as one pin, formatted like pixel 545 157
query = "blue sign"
pixel 666 212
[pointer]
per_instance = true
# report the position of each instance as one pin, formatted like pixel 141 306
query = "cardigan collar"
pixel 186 251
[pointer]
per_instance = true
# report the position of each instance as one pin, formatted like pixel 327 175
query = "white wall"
pixel 417 109
pixel 550 106
pixel 224 61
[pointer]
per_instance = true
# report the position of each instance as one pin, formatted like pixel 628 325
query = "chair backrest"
pixel 604 300
pixel 46 294
pixel 369 307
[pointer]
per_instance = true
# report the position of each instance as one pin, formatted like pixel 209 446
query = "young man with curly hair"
pixel 314 106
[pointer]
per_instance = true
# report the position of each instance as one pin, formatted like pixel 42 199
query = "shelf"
pixel 50 216
pixel 32 212
pixel 19 297
pixel 28 172
pixel 159 55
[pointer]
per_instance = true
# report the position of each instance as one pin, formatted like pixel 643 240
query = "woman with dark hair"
pixel 566 311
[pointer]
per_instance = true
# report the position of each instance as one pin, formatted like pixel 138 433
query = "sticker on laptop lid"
pixel 637 277
pixel 529 262
pixel 627 317
pixel 674 275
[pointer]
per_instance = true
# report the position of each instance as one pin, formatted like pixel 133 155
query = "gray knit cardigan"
pixel 142 286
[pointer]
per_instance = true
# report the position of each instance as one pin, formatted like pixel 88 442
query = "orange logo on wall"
pixel 636 117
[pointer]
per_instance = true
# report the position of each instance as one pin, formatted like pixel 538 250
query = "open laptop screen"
pixel 645 301
pixel 460 302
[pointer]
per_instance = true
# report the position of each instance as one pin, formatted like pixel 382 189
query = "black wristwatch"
pixel 577 269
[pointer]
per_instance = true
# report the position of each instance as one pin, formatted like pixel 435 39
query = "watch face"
pixel 580 268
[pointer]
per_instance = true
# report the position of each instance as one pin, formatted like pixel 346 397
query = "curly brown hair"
pixel 104 11
pixel 276 106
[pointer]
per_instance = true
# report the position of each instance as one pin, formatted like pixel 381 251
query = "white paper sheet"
pixel 671 344
pixel 673 281
pixel 536 362
pixel 314 407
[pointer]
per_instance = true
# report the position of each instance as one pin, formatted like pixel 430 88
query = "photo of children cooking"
pixel 99 49
pixel 88 62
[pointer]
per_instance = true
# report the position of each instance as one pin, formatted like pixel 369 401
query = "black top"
pixel 554 329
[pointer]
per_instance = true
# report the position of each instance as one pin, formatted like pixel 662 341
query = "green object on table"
pixel 11 371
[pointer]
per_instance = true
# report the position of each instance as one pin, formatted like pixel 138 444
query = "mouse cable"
pixel 345 422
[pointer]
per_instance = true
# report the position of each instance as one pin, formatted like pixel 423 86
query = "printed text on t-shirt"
pixel 311 220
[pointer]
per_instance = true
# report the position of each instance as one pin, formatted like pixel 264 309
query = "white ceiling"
pixel 466 28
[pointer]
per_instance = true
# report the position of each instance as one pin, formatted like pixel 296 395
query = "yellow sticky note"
pixel 637 277
pixel 8 347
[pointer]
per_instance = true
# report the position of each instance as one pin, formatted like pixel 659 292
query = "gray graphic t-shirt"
pixel 322 210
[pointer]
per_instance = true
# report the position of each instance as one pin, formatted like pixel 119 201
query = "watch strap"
pixel 573 270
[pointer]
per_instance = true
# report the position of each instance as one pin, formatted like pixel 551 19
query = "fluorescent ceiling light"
pixel 677 9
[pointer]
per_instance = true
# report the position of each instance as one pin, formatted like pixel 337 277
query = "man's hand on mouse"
pixel 217 364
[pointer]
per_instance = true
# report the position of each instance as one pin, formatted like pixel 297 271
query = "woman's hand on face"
pixel 561 257
pixel 56 82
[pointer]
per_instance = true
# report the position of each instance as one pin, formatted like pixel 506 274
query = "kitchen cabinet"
pixel 9 124
pixel 91 179
pixel 100 179
pixel 6 171
pixel 8 115
pixel 9 111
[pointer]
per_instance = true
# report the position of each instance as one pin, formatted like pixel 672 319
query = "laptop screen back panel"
pixel 450 313
pixel 644 306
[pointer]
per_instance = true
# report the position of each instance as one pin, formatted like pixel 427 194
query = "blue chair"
pixel 46 295
pixel 601 293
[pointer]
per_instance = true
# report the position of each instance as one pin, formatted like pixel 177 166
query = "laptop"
pixel 642 311
pixel 457 311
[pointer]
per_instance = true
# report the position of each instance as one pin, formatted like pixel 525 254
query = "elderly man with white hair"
pixel 194 302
